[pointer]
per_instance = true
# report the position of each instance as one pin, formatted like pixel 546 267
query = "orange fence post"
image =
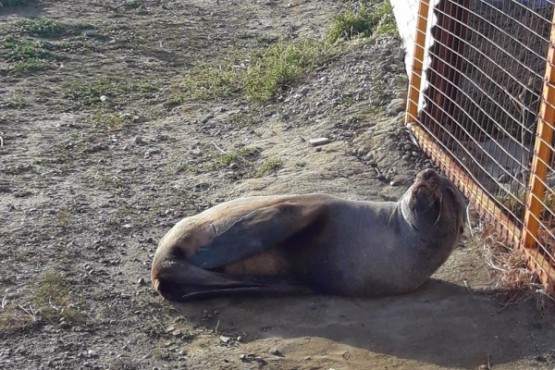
pixel 542 149
pixel 417 66
pixel 542 156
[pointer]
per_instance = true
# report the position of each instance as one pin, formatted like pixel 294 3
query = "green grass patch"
pixel 43 27
pixel 89 92
pixel 112 121
pixel 242 155
pixel 30 66
pixel 363 22
pixel 205 82
pixel 276 67
pixel 259 75
pixel 19 50
pixel 106 92
pixel 28 56
pixel 270 166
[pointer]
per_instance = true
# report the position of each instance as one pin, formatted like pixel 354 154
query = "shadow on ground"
pixel 442 324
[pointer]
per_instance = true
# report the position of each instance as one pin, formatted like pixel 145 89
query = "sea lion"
pixel 314 243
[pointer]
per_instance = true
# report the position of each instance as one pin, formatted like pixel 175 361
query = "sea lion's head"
pixel 435 207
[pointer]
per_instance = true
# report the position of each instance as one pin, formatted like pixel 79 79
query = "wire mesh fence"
pixel 486 112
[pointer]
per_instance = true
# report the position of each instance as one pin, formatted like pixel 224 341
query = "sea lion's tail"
pixel 180 281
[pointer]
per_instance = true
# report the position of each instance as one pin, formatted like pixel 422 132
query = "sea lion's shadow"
pixel 442 323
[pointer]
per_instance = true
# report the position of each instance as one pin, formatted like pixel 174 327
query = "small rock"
pixel 395 106
pixel 225 339
pixel 233 166
pixel 141 281
pixel 276 352
pixel 319 141
pixel 103 98
pixel 152 152
pixel 207 118
pixel 138 140
pixel 91 33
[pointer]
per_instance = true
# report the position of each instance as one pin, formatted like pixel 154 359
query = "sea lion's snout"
pixel 426 185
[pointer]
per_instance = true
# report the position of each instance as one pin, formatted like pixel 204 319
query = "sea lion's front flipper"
pixel 256 232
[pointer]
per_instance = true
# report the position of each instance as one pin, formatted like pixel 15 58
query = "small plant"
pixel 43 27
pixel 268 167
pixel 241 155
pixel 244 120
pixel 259 76
pixel 276 67
pixel 52 297
pixel 22 50
pixel 89 93
pixel 209 81
pixel 363 22
pixel 112 121
pixel 16 103
pixel 28 56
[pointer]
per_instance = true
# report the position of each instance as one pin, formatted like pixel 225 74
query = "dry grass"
pixel 515 281
pixel 49 299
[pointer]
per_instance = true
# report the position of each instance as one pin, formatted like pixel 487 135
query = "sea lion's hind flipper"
pixel 257 231
pixel 187 283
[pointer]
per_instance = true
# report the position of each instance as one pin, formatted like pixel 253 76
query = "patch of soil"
pixel 95 168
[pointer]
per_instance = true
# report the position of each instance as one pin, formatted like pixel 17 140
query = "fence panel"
pixel 489 114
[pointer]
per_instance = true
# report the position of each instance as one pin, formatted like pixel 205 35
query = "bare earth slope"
pixel 98 160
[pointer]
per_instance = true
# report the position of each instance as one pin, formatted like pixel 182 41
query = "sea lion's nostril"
pixel 428 174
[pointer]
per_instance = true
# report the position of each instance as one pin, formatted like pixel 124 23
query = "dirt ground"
pixel 100 156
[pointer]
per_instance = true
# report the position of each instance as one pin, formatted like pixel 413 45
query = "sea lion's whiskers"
pixel 440 209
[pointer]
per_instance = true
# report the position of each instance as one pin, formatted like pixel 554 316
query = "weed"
pixel 30 66
pixel 274 68
pixel 241 157
pixel 43 27
pixel 268 167
pixel 363 22
pixel 111 120
pixel 22 50
pixel 259 76
pixel 205 82
pixel 89 93
pixel 16 103
pixel 51 295
pixel 226 159
pixel 244 120
pixel 174 100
